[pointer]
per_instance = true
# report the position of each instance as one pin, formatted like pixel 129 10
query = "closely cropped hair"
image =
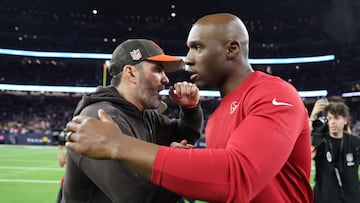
pixel 337 109
pixel 115 81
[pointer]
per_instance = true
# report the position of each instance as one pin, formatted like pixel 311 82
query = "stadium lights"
pixel 54 54
pixel 71 89
pixel 16 52
pixel 43 88
pixel 350 94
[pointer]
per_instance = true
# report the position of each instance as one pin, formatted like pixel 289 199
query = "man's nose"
pixel 188 60
pixel 164 78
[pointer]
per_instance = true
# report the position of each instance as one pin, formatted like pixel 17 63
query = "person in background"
pixel 257 140
pixel 356 128
pixel 61 152
pixel 133 100
pixel 317 119
pixel 336 154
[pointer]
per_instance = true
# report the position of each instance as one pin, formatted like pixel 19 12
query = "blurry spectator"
pixel 62 162
pixel 356 128
pixel 337 156
pixel 21 114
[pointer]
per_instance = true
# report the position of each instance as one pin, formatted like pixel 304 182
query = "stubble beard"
pixel 148 94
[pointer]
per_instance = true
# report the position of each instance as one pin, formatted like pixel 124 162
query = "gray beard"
pixel 148 94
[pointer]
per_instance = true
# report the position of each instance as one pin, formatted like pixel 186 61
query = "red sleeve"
pixel 217 174
pixel 190 174
pixel 256 152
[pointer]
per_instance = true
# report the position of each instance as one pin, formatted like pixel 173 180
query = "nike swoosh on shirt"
pixel 276 103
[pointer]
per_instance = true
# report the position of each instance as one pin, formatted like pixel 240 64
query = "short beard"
pixel 148 94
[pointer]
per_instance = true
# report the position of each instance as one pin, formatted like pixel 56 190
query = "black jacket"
pixel 342 155
pixel 102 181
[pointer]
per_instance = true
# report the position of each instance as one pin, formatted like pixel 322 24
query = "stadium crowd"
pixel 44 114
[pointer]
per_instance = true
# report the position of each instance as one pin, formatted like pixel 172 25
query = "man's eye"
pixel 161 69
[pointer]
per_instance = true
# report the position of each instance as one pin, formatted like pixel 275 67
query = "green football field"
pixel 31 174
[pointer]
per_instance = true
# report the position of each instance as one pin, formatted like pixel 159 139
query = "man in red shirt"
pixel 257 140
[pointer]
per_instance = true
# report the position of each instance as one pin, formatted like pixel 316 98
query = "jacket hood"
pixel 102 94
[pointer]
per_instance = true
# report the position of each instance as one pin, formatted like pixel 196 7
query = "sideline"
pixel 29 181
pixel 31 168
pixel 27 146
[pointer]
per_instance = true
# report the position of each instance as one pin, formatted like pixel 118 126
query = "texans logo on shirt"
pixel 234 105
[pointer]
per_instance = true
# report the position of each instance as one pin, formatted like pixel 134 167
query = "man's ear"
pixel 233 48
pixel 347 120
pixel 130 73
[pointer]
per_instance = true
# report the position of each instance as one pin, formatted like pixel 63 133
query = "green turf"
pixel 29 174
pixel 32 174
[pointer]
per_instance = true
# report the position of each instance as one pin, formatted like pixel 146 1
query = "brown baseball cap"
pixel 134 51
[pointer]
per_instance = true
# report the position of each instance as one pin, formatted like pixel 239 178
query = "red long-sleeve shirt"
pixel 258 149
